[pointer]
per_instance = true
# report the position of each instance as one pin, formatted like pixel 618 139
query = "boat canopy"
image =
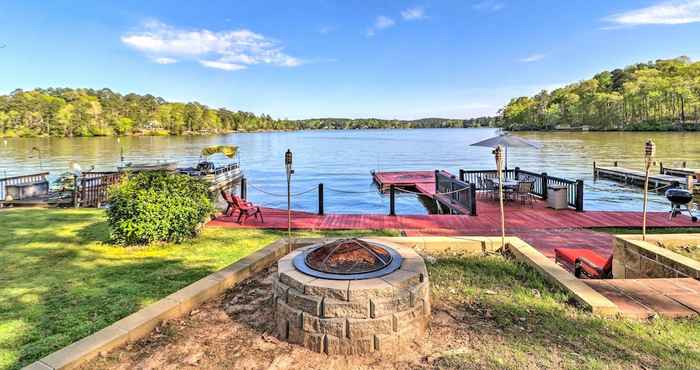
pixel 227 150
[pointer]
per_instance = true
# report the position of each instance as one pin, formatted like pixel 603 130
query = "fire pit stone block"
pixel 354 309
pixel 336 289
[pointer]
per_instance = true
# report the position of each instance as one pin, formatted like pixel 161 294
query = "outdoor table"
pixel 507 184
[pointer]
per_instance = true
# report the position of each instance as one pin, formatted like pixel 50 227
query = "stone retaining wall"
pixel 356 316
pixel 637 259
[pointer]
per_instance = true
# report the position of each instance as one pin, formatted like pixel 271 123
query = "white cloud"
pixel 413 14
pixel 382 22
pixel 228 50
pixel 165 60
pixel 531 58
pixel 222 65
pixel 488 6
pixel 674 12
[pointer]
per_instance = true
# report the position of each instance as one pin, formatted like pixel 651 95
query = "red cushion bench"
pixel 584 262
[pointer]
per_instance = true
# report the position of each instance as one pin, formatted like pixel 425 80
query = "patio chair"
pixel 524 192
pixel 584 262
pixel 491 188
pixel 230 205
pixel 246 210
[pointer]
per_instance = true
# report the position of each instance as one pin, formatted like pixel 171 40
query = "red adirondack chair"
pixel 584 262
pixel 246 209
pixel 229 202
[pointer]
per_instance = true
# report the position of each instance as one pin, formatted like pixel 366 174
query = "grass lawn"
pixel 514 320
pixel 60 280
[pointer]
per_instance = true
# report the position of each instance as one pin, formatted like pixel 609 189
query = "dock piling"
pixel 244 188
pixel 320 199
pixel 392 200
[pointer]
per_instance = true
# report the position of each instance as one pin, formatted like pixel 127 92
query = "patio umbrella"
pixel 507 140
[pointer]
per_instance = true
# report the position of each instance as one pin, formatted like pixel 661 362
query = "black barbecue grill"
pixel 680 199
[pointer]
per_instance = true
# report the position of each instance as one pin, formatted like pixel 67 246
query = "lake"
pixel 342 160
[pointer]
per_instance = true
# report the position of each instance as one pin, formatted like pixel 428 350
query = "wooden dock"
pixel 440 186
pixel 680 171
pixel 636 177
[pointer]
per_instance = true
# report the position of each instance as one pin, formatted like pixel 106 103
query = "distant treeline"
pixel 661 95
pixel 65 112
pixel 367 123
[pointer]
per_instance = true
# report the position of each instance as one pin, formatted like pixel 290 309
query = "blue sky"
pixel 322 58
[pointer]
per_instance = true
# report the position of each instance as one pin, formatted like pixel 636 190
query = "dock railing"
pixel 542 181
pixel 19 180
pixel 463 193
pixel 92 191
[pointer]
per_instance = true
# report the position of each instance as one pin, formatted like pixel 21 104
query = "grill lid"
pixel 679 196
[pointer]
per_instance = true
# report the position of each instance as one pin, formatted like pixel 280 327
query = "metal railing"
pixel 541 182
pixel 456 190
pixel 20 180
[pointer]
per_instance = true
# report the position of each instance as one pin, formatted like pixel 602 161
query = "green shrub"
pixel 157 206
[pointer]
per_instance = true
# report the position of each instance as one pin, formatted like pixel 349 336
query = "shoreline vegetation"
pixel 66 112
pixel 663 95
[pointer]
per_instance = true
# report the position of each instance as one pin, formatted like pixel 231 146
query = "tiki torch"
pixel 290 171
pixel 498 154
pixel 649 152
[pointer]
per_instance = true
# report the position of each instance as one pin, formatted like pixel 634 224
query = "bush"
pixel 157 206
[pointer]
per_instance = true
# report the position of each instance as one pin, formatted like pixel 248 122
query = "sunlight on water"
pixel 342 160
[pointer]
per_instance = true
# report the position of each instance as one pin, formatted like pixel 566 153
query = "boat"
pixel 221 175
pixel 157 166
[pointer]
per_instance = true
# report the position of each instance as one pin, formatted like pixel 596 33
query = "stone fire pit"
pixel 351 296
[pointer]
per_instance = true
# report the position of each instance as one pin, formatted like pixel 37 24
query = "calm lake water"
pixel 342 160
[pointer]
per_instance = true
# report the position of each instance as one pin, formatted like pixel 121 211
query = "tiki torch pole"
pixel 290 171
pixel 649 152
pixel 498 154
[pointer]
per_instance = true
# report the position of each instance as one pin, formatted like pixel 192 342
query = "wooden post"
pixel 579 195
pixel 461 175
pixel 661 168
pixel 472 196
pixel 516 173
pixel 437 181
pixel 244 188
pixel 595 171
pixel 320 199
pixel 545 181
pixel 75 191
pixel 615 164
pixel 392 200
pixel 646 194
pixel 684 164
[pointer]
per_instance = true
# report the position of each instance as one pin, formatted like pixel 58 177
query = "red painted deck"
pixel 540 226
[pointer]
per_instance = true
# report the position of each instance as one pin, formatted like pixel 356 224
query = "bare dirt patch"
pixel 235 331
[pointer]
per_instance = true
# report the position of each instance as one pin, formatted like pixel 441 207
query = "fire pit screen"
pixel 348 259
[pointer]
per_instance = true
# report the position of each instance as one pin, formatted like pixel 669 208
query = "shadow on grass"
pixel 494 295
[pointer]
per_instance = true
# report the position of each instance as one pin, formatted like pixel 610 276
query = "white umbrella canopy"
pixel 507 140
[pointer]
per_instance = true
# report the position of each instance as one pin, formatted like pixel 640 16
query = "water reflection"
pixel 342 160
